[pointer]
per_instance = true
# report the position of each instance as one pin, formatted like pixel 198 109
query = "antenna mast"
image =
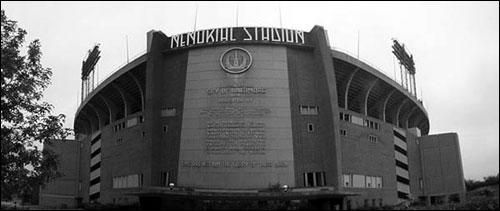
pixel 237 12
pixel 126 41
pixel 279 6
pixel 195 17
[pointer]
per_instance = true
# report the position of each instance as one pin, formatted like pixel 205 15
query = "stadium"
pixel 254 114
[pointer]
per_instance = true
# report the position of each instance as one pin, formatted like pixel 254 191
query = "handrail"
pixel 120 66
pixel 365 61
pixel 376 68
pixel 110 74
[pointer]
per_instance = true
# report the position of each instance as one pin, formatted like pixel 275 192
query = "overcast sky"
pixel 454 44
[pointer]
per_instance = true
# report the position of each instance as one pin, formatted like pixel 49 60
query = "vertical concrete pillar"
pixel 322 52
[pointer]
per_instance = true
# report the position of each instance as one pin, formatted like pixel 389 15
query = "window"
pixel 374 202
pixel 347 117
pixel 347 180
pixel 308 180
pixel 366 203
pixel 308 110
pixel 314 179
pixel 369 182
pixel 310 127
pixel 164 178
pixel 378 182
pixel 133 180
pixel 141 118
pixel 320 178
pixel 123 125
pixel 165 128
pixel 143 134
pixel 313 110
pixel 343 132
pixel 168 112
pixel 128 181
pixel 358 181
pixel 366 122
pixel 132 122
pixel 304 110
pixel 362 181
pixel 380 202
pixel 357 120
pixel 373 139
pixel 115 182
pixel 118 141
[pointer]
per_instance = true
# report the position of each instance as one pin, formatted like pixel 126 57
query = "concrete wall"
pixel 84 167
pixel 256 154
pixel 312 83
pixel 165 85
pixel 414 164
pixel 360 156
pixel 121 159
pixel 62 192
pixel 442 164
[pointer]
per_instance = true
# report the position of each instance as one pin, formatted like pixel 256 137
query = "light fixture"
pixel 171 185
pixel 285 188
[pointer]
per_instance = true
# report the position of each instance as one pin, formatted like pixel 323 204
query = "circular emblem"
pixel 235 60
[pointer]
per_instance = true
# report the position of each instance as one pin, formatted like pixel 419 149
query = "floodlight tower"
pixel 406 61
pixel 88 73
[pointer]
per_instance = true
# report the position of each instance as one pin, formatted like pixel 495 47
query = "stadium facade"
pixel 260 114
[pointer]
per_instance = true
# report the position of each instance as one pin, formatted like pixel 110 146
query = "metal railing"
pixel 98 82
pixel 394 78
pixel 121 66
pixel 366 62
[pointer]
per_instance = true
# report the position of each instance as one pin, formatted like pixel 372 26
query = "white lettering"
pixel 210 37
pixel 301 35
pixel 176 39
pixel 202 37
pixel 217 35
pixel 224 36
pixel 256 37
pixel 289 34
pixel 248 34
pixel 182 40
pixel 231 35
pixel 228 34
pixel 273 30
pixel 191 36
pixel 283 35
pixel 266 36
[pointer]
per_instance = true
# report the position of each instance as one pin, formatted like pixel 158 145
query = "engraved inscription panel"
pixel 236 130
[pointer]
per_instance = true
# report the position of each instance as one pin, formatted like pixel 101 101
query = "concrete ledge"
pixel 250 194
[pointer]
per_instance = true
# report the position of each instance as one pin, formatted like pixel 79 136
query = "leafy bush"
pixel 480 204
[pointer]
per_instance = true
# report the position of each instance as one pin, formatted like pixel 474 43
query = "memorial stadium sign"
pixel 237 34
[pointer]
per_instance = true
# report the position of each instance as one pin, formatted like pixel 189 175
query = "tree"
pixel 491 180
pixel 26 120
pixel 487 181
